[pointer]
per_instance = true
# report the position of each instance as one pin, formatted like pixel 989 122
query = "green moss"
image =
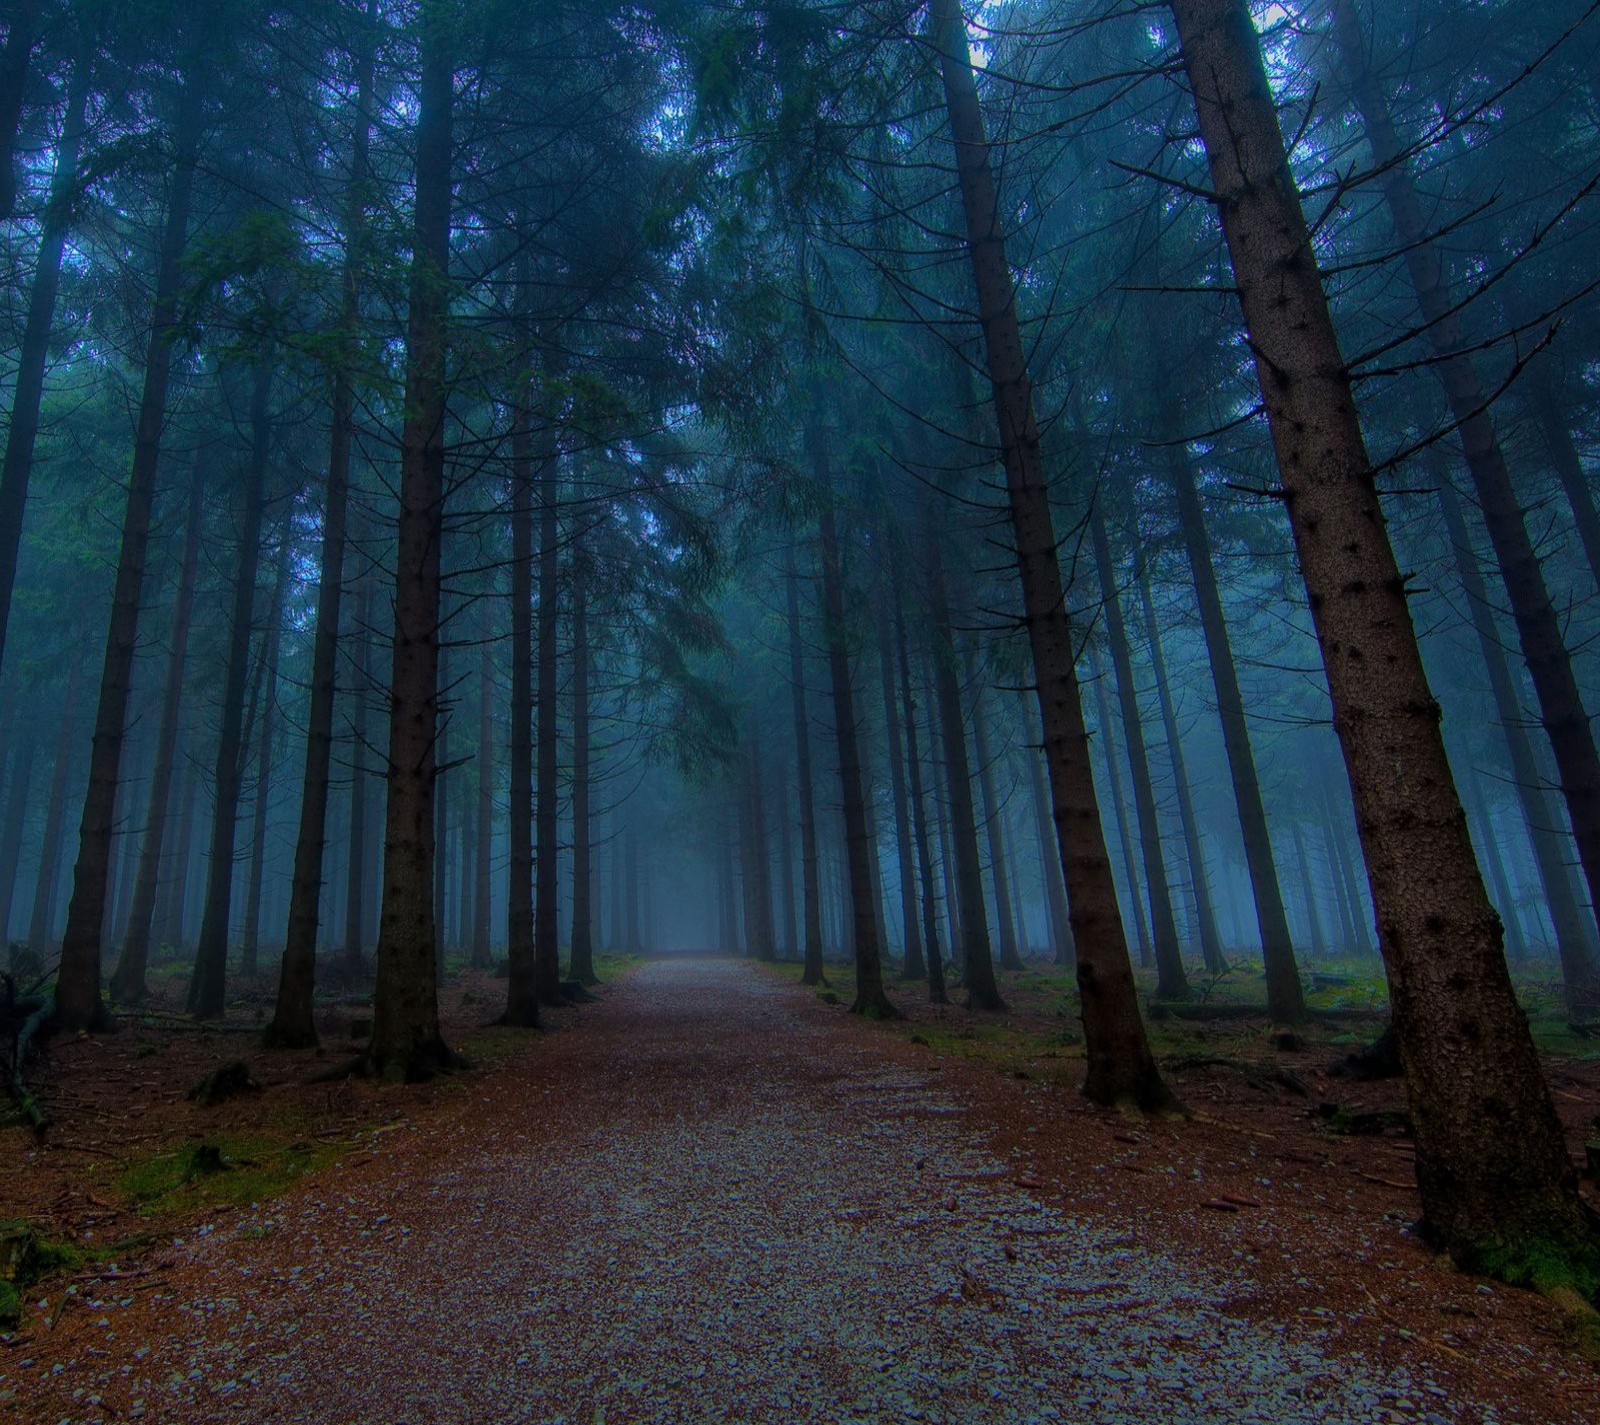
pixel 1546 1265
pixel 10 1304
pixel 230 1168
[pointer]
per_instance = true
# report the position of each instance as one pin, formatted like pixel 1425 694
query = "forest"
pixel 948 599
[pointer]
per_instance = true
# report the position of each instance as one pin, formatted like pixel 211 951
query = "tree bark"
pixel 207 985
pixel 933 954
pixel 355 895
pixel 1171 980
pixel 34 353
pixel 1498 1187
pixel 546 806
pixel 1121 1068
pixel 11 829
pixel 41 919
pixel 78 1004
pixel 1119 806
pixel 912 965
pixel 1055 893
pixel 1319 942
pixel 128 981
pixel 173 902
pixel 999 867
pixel 1558 441
pixel 481 958
pixel 582 968
pixel 250 937
pixel 1205 915
pixel 406 1040
pixel 522 996
pixel 21 38
pixel 811 891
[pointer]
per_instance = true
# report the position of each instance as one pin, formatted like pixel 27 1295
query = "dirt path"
pixel 711 1201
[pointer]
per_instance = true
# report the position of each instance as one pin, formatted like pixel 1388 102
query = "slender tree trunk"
pixel 933 955
pixel 1547 408
pixel 1119 806
pixel 522 995
pixel 952 908
pixel 582 835
pixel 727 908
pixel 41 921
pixel 546 885
pixel 752 855
pixel 1498 1187
pixel 481 957
pixel 34 353
pixel 871 998
pixel 78 1004
pixel 11 827
pixel 1055 893
pixel 786 867
pixel 442 786
pixel 249 941
pixel 1489 844
pixel 1540 815
pixel 977 965
pixel 1121 1068
pixel 406 1041
pixel 1319 943
pixel 173 903
pixel 355 894
pixel 1285 1000
pixel 128 981
pixel 912 965
pixel 999 868
pixel 208 983
pixel 811 892
pixel 1205 916
pixel 1171 981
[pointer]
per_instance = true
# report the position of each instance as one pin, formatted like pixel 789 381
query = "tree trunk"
pixel 406 1042
pixel 522 994
pixel 1205 916
pixel 753 856
pixel 1121 1068
pixel 932 953
pixel 1547 407
pixel 1055 893
pixel 1319 942
pixel 173 902
pixel 871 998
pixel 582 834
pixel 481 956
pixel 912 965
pixel 546 806
pixel 786 867
pixel 42 918
pixel 355 894
pixel 1498 1187
pixel 249 940
pixel 78 1004
pixel 1540 815
pixel 1285 1000
pixel 977 965
pixel 34 353
pixel 208 983
pixel 21 38
pixel 999 868
pixel 1171 981
pixel 11 828
pixel 128 981
pixel 1119 805
pixel 1489 843
pixel 811 891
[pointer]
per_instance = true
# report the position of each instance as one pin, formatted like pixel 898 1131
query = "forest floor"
pixel 715 1196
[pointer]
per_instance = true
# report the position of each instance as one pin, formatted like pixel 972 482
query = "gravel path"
pixel 711 1201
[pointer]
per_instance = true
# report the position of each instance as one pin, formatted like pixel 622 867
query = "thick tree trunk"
pixel 77 1002
pixel 208 983
pixel 128 981
pixel 1540 815
pixel 912 965
pixel 1121 1068
pixel 870 998
pixel 582 968
pixel 977 964
pixel 406 1042
pixel 805 784
pixel 546 806
pixel 1171 981
pixel 1498 1187
pixel 1285 1000
pixel 34 353
pixel 999 864
pixel 1205 916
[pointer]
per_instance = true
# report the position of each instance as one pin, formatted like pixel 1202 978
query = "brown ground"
pixel 714 1197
